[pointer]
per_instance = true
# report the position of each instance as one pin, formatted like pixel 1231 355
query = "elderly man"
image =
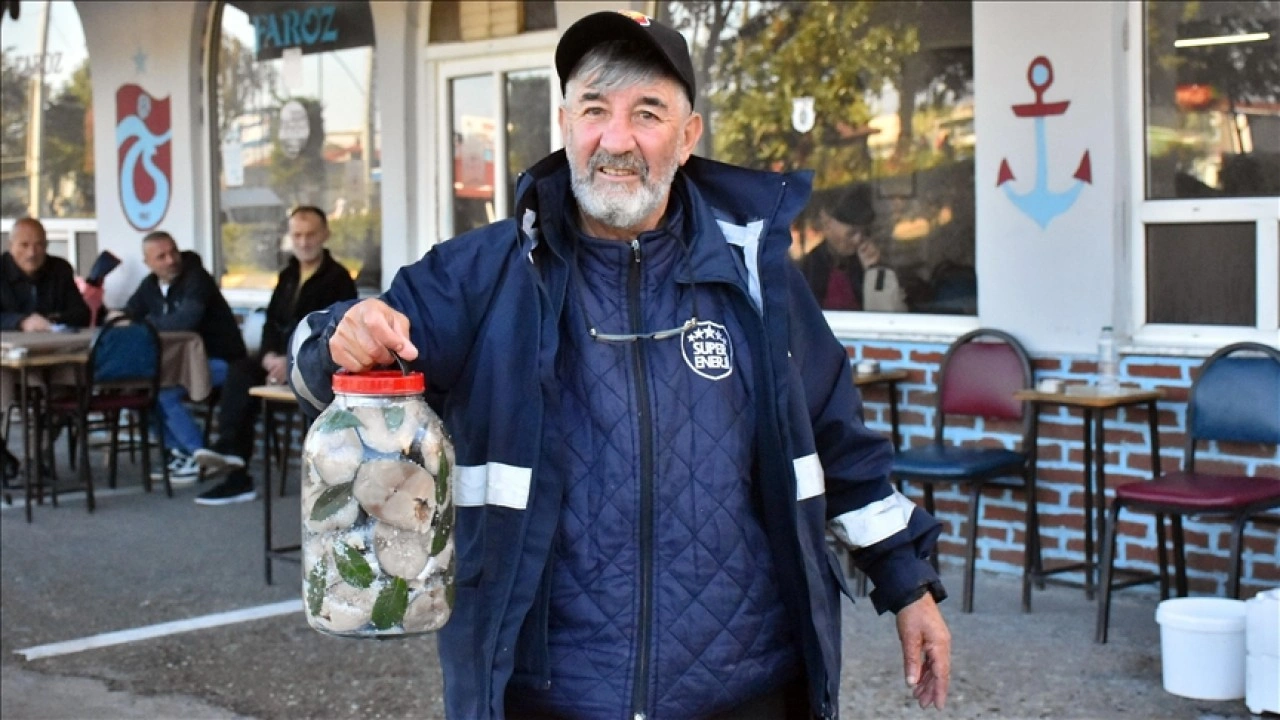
pixel 39 291
pixel 311 281
pixel 180 294
pixel 654 425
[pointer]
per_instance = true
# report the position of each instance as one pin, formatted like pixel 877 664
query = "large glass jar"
pixel 377 510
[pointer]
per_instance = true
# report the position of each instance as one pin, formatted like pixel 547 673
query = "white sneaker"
pixel 215 463
pixel 183 469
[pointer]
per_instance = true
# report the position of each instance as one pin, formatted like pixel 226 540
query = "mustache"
pixel 627 161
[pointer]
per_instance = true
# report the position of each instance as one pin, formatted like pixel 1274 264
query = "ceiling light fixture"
pixel 1221 40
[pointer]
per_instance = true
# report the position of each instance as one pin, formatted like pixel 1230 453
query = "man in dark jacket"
pixel 37 292
pixel 654 427
pixel 312 281
pixel 180 294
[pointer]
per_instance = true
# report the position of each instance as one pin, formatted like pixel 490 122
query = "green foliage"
pixel 829 51
pixel 353 236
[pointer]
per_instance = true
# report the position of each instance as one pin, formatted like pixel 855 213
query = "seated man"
pixel 846 271
pixel 311 281
pixel 180 294
pixel 37 291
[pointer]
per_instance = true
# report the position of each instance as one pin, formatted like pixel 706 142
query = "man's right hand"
pixel 35 322
pixel 367 335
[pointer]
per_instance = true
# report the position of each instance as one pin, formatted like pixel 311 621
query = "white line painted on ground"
pixel 149 632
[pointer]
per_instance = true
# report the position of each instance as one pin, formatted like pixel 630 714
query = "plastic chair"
pixel 123 373
pixel 978 377
pixel 1236 398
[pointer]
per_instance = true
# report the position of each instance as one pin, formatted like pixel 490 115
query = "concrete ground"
pixel 144 559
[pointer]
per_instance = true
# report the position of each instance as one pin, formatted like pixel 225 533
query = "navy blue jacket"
pixel 485 311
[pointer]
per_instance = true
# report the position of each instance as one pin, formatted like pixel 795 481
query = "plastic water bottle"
pixel 1108 361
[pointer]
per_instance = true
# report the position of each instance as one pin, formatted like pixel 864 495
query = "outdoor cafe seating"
pixel 122 374
pixel 56 367
pixel 978 377
pixel 1235 398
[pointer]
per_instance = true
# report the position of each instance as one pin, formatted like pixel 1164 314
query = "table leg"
pixel 24 400
pixel 893 414
pixel 268 427
pixel 1100 477
pixel 1089 480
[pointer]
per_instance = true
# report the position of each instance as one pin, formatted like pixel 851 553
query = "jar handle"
pixel 404 366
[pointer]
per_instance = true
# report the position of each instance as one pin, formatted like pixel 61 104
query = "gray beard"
pixel 619 209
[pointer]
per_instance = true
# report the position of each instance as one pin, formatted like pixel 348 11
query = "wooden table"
pixel 22 365
pixel 1093 404
pixel 60 358
pixel 274 397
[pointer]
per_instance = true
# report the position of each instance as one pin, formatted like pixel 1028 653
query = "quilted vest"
pixel 661 593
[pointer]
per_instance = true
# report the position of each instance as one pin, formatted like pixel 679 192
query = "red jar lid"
pixel 379 382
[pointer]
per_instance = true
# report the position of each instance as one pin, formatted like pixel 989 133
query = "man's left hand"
pixel 275 364
pixel 926 651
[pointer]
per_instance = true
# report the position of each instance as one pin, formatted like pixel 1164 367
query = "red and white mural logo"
pixel 143 132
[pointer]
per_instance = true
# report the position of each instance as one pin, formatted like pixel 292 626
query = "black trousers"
pixel 237 411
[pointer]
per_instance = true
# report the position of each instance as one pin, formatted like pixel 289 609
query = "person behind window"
pixel 845 272
pixel 653 423
pixel 180 294
pixel 311 281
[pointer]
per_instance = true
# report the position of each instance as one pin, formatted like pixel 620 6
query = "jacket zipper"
pixel 640 688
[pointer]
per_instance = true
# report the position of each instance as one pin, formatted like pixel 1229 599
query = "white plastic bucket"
pixel 1202 647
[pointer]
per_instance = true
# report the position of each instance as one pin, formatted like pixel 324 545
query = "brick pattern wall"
pixel 1061 455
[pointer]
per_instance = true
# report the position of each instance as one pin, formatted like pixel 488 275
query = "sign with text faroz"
pixel 310 26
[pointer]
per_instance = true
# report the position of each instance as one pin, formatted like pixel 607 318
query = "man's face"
pixel 28 247
pixel 162 258
pixel 308 234
pixel 842 239
pixel 624 146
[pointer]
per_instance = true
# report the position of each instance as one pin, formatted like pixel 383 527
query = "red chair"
pixel 123 374
pixel 978 377
pixel 1236 398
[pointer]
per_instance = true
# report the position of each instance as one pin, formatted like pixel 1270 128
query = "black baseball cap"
pixel 602 27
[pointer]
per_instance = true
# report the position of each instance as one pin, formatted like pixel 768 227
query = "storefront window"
pixel 46 105
pixel 297 125
pixel 1211 129
pixel 877 99
pixel 1213 99
pixel 1190 281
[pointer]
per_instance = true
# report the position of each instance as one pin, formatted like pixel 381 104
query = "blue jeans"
pixel 180 429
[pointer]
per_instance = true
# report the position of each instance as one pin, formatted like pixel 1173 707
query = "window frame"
pixel 497 58
pixel 1264 212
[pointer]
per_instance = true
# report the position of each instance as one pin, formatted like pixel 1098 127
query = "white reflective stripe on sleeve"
pixel 300 335
pixel 873 523
pixel 810 480
pixel 492 484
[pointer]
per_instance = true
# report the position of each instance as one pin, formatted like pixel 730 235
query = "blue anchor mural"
pixel 1040 203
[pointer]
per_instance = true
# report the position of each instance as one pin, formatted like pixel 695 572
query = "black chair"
pixel 123 374
pixel 1236 398
pixel 978 377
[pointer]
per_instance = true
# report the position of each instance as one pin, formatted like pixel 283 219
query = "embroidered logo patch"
pixel 708 350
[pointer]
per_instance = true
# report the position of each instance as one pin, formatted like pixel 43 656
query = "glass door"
pixel 496 118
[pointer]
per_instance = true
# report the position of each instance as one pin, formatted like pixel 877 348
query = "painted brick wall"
pixel 1060 478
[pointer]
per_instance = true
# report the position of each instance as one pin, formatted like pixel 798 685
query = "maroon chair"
pixel 978 377
pixel 1236 398
pixel 123 374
